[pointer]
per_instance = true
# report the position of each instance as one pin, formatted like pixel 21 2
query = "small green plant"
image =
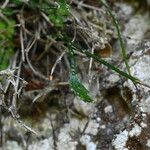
pixel 116 23
pixel 6 42
pixel 75 83
pixel 58 15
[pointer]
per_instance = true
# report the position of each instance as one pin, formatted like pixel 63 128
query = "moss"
pixel 6 42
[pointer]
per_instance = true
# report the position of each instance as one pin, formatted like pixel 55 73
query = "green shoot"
pixel 110 66
pixel 58 15
pixel 124 55
pixel 6 43
pixel 74 82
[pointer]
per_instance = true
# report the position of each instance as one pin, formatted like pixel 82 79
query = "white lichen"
pixel 145 105
pixel 136 130
pixel 92 127
pixel 103 127
pixel 65 141
pixel 108 109
pixel 87 109
pixel 148 143
pixel 12 145
pixel 86 141
pixel 126 9
pixel 45 144
pixel 113 78
pixel 143 125
pixel 141 69
pixel 135 29
pixel 120 141
pixel 98 119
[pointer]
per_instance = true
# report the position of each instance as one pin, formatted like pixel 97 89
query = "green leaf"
pixel 102 61
pixel 112 67
pixel 2 25
pixel 58 15
pixel 74 82
pixel 79 89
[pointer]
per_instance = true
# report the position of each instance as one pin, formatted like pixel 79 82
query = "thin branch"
pixel 87 6
pixel 30 65
pixel 22 44
pixel 55 64
pixel 5 4
pixel 90 65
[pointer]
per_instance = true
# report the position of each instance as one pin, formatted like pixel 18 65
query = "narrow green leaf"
pixel 79 89
pixel 110 66
pixel 74 82
pixel 115 21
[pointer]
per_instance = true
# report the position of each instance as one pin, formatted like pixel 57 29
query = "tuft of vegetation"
pixel 6 42
pixel 59 14
pixel 56 11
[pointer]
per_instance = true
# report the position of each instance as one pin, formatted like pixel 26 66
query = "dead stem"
pixel 56 62
pixel 29 62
